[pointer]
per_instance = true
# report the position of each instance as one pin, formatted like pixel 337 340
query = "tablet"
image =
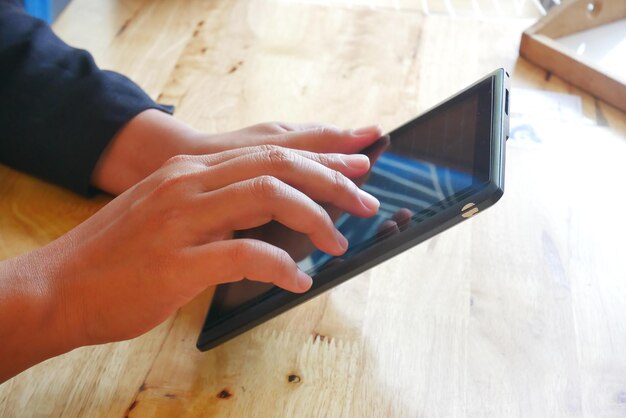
pixel 435 171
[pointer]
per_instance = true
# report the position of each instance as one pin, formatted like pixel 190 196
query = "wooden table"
pixel 519 312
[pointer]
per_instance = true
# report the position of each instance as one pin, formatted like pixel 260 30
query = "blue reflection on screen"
pixel 400 183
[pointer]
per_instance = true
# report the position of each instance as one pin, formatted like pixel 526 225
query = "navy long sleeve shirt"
pixel 58 110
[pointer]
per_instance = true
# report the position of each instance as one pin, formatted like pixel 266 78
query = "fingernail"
pixel 356 161
pixel 342 241
pixel 368 131
pixel 369 201
pixel 304 281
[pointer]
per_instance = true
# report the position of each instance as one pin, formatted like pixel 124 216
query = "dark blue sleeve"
pixel 58 110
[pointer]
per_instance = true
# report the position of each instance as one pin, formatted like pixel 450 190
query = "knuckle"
pixel 179 160
pixel 265 126
pixel 270 128
pixel 178 182
pixel 326 131
pixel 279 157
pixel 277 127
pixel 339 182
pixel 281 263
pixel 316 220
pixel 177 173
pixel 284 265
pixel 238 253
pixel 325 159
pixel 172 182
pixel 265 148
pixel 322 217
pixel 267 186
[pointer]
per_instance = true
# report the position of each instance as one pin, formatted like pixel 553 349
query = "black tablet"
pixel 429 174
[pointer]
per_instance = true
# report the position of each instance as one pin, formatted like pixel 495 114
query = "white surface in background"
pixel 605 46
pixel 540 104
pixel 537 116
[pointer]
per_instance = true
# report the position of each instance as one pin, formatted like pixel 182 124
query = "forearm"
pixel 30 308
pixel 59 110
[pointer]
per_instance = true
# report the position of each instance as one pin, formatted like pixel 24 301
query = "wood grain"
pixel 518 312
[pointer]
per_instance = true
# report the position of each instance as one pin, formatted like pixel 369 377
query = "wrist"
pixel 33 327
pixel 142 146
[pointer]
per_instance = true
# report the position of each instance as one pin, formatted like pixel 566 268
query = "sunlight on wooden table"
pixel 518 312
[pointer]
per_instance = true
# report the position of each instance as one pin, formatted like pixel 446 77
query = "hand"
pixel 152 137
pixel 162 241
pixel 156 246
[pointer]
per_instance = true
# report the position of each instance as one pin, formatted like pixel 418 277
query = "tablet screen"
pixel 417 170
